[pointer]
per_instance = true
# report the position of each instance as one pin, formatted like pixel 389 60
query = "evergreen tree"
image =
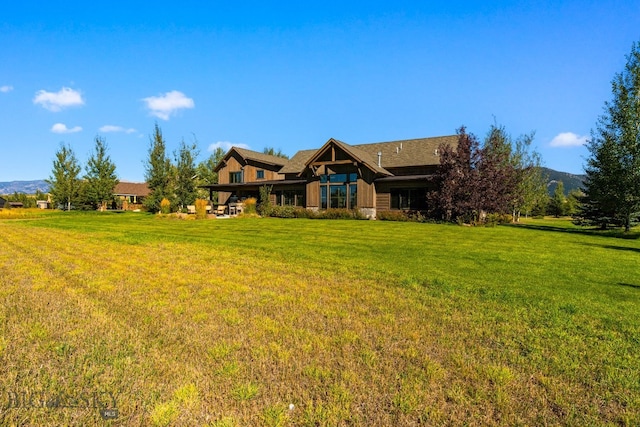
pixel 185 175
pixel 273 152
pixel 612 186
pixel 207 174
pixel 573 201
pixel 63 182
pixel 158 172
pixel 101 176
pixel 557 203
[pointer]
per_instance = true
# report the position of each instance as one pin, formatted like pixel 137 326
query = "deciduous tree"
pixel 453 197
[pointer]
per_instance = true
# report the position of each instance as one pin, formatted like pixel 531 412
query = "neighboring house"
pixel 131 194
pixel 3 203
pixel 369 177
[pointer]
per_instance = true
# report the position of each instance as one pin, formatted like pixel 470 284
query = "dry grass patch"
pixel 184 328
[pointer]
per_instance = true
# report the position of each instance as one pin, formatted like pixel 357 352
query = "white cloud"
pixel 568 139
pixel 165 105
pixel 62 128
pixel 112 128
pixel 6 88
pixel 56 101
pixel 225 145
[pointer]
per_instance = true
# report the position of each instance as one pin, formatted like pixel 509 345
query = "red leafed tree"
pixel 453 196
pixel 473 180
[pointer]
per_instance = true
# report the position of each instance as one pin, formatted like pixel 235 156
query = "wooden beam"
pixel 335 162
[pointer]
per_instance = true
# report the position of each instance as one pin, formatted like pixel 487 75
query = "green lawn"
pixel 229 322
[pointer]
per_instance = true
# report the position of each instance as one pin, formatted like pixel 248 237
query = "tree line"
pixel 501 176
pixel 94 190
pixel 176 180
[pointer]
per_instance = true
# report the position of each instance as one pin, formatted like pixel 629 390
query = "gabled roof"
pixel 252 155
pixel 124 188
pixel 297 163
pixel 408 152
pixel 353 152
pixel 395 154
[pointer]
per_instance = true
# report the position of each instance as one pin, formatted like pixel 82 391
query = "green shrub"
pixel 342 214
pixel 491 220
pixel 413 216
pixel 392 216
pixel 265 207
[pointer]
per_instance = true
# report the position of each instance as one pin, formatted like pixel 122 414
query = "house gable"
pixel 335 152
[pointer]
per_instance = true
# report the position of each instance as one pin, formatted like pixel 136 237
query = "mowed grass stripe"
pixel 359 322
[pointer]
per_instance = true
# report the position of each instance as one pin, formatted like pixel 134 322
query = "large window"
pixel 235 177
pixel 409 198
pixel 290 198
pixel 339 191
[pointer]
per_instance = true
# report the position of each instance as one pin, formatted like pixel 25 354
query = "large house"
pixel 131 195
pixel 369 177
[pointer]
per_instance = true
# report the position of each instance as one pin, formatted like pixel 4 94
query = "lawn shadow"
pixel 629 285
pixel 618 234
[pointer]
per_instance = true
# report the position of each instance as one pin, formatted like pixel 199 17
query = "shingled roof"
pixel 297 163
pixel 401 153
pixel 408 152
pixel 255 156
pixel 124 188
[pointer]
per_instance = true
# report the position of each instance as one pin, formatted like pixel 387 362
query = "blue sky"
pixel 291 75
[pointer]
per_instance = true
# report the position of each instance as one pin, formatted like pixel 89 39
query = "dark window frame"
pixel 235 177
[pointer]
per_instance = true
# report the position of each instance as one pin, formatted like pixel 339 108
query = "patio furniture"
pixel 220 210
pixel 236 208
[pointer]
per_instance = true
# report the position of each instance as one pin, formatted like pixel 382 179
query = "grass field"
pixel 229 323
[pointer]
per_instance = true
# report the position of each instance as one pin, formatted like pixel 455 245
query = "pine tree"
pixel 207 174
pixel 158 172
pixel 63 182
pixel 185 175
pixel 612 186
pixel 273 152
pixel 557 203
pixel 101 177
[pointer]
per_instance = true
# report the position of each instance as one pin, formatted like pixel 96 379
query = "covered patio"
pixel 233 195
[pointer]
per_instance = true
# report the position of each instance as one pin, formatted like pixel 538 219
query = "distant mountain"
pixel 27 187
pixel 569 180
